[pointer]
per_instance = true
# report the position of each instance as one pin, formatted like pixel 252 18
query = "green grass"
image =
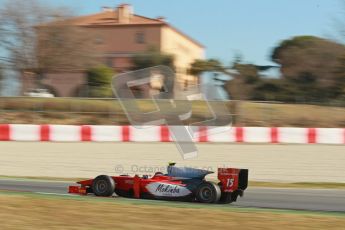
pixel 161 203
pixel 46 211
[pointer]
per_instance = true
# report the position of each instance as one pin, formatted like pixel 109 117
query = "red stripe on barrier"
pixel 203 134
pixel 274 135
pixel 86 133
pixel 165 134
pixel 125 133
pixel 239 134
pixel 4 132
pixel 311 135
pixel 45 133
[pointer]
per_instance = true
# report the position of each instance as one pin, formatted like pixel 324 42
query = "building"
pixel 118 34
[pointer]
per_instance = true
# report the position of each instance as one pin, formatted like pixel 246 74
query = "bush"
pixel 152 57
pixel 99 81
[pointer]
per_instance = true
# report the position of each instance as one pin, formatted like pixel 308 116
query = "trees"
pixel 242 77
pixel 152 57
pixel 312 66
pixel 312 71
pixel 18 35
pixel 34 37
pixel 242 85
pixel 63 47
pixel 200 66
pixel 99 81
pixel 216 70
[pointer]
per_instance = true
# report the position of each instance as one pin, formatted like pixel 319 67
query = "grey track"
pixel 277 198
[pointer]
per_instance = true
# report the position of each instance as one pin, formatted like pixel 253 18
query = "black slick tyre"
pixel 208 192
pixel 103 185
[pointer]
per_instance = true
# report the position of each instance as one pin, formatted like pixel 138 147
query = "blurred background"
pixel 273 63
pixel 276 64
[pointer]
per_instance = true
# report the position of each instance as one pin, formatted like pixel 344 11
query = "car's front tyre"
pixel 103 185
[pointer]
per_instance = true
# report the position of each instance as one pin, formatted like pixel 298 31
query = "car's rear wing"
pixel 233 179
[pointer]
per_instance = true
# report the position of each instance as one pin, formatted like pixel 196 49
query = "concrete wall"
pixel 285 163
pixel 115 45
pixel 122 39
pixel 65 84
pixel 60 84
pixel 184 50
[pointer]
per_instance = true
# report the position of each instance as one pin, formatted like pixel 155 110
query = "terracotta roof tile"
pixel 109 18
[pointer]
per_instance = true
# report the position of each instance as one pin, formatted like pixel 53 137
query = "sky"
pixel 251 28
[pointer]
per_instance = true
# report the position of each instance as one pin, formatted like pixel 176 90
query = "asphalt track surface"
pixel 331 200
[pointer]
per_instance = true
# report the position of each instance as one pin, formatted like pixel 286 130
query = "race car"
pixel 180 184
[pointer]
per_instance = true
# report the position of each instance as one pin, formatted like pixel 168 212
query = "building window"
pixel 140 37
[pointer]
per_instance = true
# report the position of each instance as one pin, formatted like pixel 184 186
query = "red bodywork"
pixel 126 183
pixel 229 180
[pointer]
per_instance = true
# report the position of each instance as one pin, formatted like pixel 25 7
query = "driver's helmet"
pixel 171 163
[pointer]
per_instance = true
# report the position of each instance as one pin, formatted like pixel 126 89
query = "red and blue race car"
pixel 180 183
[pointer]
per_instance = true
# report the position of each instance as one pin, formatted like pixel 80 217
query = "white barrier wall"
pixel 72 133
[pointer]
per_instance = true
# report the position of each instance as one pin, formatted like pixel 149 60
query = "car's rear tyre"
pixel 103 185
pixel 208 192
